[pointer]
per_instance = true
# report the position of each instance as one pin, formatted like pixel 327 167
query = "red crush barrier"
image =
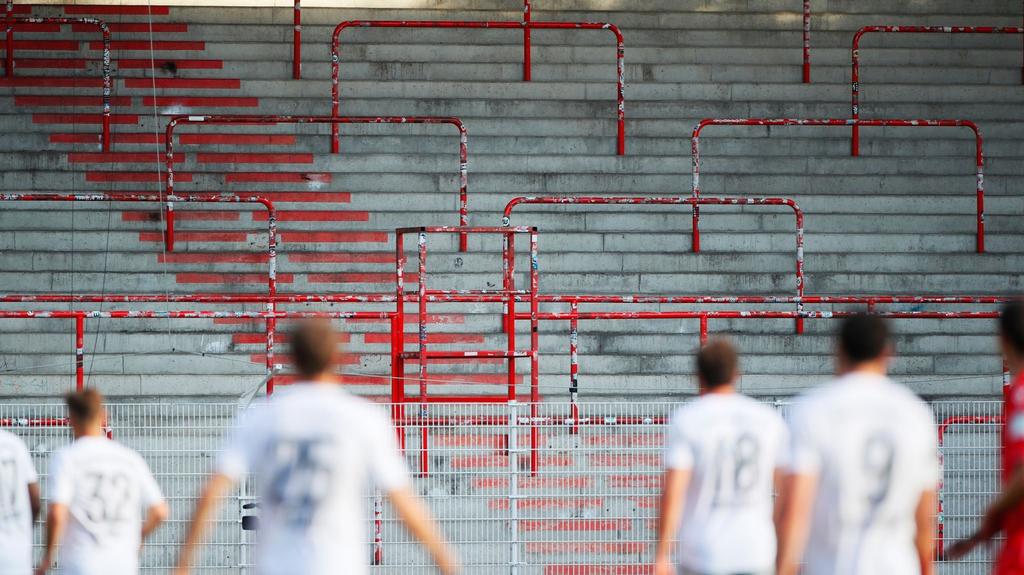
pixel 12 23
pixel 979 155
pixel 525 25
pixel 855 58
pixel 333 121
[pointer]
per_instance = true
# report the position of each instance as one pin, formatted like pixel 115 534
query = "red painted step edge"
pixel 86 9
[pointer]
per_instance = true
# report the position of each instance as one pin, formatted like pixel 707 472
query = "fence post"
pixel 79 351
pixel 9 41
pixel 297 41
pixel 807 41
pixel 527 45
pixel 513 486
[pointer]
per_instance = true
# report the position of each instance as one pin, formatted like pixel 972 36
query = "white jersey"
pixel 313 448
pixel 105 487
pixel 16 474
pixel 871 442
pixel 732 445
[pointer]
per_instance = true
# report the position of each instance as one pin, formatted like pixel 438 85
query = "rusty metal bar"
pixel 334 121
pixel 525 25
pixel 13 22
pixel 979 155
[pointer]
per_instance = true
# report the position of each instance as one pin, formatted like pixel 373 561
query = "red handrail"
pixel 979 155
pixel 104 30
pixel 333 121
pixel 855 58
pixel 524 25
pixel 694 201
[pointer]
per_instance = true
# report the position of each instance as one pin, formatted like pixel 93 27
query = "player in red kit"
pixel 1006 513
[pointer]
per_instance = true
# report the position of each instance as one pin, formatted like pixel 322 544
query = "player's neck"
pixel 325 378
pixel 877 368
pixel 89 431
pixel 720 390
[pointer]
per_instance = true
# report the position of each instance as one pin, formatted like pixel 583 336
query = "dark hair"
pixel 84 406
pixel 863 337
pixel 717 363
pixel 1011 325
pixel 314 344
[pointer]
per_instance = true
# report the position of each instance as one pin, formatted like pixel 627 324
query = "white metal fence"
pixel 517 488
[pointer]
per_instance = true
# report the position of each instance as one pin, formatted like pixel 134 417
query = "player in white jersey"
pixel 724 452
pixel 19 505
pixel 313 448
pixel 860 497
pixel 97 490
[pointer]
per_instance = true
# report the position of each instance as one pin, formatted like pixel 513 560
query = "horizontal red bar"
pixel 52 82
pixel 457 319
pixel 228 278
pixel 200 101
pixel 278 177
pixel 133 177
pixel 501 461
pixel 134 27
pixel 57 45
pixel 41 100
pixel 239 139
pixel 634 481
pixel 254 158
pixel 541 502
pixel 345 359
pixel 315 216
pixel 598 570
pixel 194 216
pixel 145 45
pixel 185 83
pixel 211 257
pixel 118 157
pixel 86 9
pixel 564 482
pixel 195 237
pixel 279 337
pixel 83 119
pixel 341 258
pixel 118 138
pixel 441 338
pixel 588 547
pixel 357 278
pixel 630 460
pixel 44 27
pixel 334 237
pixel 50 63
pixel 178 63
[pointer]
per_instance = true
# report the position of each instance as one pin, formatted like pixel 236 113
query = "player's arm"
pixel 422 526
pixel 673 496
pixel 798 494
pixel 1010 499
pixel 56 521
pixel 924 539
pixel 155 515
pixel 215 488
pixel 34 501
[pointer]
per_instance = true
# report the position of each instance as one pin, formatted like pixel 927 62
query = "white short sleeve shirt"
pixel 16 473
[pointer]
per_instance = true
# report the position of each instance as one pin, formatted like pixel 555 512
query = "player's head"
pixel 718 365
pixel 863 343
pixel 85 412
pixel 314 346
pixel 1011 332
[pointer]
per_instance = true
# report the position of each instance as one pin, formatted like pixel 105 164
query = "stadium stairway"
pixel 897 220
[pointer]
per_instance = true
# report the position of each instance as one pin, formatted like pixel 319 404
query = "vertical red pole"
pixel 107 86
pixel 510 314
pixel 398 336
pixel 534 354
pixel 703 328
pixel 335 96
pixel 463 184
pixel 574 365
pixel 169 227
pixel 979 158
pixel 297 41
pixel 620 85
pixel 271 323
pixel 695 192
pixel 378 524
pixel 9 41
pixel 855 94
pixel 807 41
pixel 79 351
pixel 421 282
pixel 527 45
pixel 799 266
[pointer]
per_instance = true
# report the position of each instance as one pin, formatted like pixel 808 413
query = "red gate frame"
pixel 525 25
pixel 979 154
pixel 855 59
pixel 104 30
pixel 694 201
pixel 333 121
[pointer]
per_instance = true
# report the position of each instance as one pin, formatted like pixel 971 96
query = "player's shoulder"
pixel 10 440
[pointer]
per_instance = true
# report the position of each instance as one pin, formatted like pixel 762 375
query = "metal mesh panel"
pixel 584 500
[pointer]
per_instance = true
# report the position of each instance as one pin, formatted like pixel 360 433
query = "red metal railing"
pixel 216 199
pixel 297 41
pixel 104 30
pixel 979 155
pixel 525 25
pixel 334 121
pixel 527 43
pixel 807 42
pixel 694 201
pixel 507 295
pixel 855 57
